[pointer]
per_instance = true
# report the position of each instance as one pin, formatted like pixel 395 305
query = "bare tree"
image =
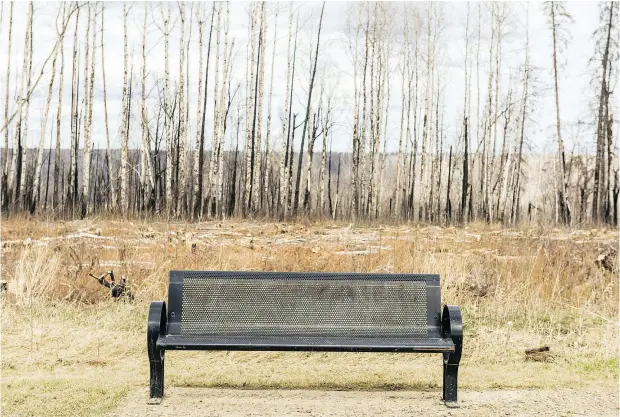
pixel 111 189
pixel 607 45
pixel 265 201
pixel 56 195
pixel 5 168
pixel 303 132
pixel 88 124
pixel 282 188
pixel 182 157
pixel 124 198
pixel 37 174
pixel 198 146
pixel 557 15
pixel 20 147
pixel 168 110
pixel 146 173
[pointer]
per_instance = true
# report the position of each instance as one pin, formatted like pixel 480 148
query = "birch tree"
pixel 124 198
pixel 282 189
pixel 56 195
pixel 557 15
pixel 303 132
pixel 21 146
pixel 168 122
pixel 108 157
pixel 198 146
pixel 5 168
pixel 146 172
pixel 89 93
pixel 269 104
pixel 37 174
pixel 182 157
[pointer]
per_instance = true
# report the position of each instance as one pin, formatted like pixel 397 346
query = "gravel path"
pixel 194 402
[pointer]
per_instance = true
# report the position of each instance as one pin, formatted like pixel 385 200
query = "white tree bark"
pixel 124 200
pixel 265 199
pixel 282 186
pixel 40 148
pixel 88 126
pixel 250 148
pixel 111 188
pixel 259 119
pixel 146 171
pixel 56 195
pixel 24 140
pixel 168 121
pixel 182 157
pixel 222 115
pixel 75 135
pixel 213 163
pixel 197 147
pixel 5 169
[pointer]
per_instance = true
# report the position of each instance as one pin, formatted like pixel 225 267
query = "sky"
pixel 335 73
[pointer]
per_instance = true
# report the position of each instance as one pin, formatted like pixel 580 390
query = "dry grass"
pixel 518 289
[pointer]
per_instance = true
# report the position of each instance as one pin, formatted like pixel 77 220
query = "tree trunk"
pixel 124 128
pixel 303 133
pixel 599 173
pixel 282 192
pixel 37 173
pixel 169 111
pixel 182 157
pixel 24 133
pixel 111 190
pixel 267 137
pixel 5 167
pixel 88 126
pixel 146 172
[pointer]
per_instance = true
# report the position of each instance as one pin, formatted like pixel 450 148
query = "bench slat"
pixel 306 344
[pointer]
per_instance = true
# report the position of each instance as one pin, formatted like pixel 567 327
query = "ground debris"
pixel 608 260
pixel 541 354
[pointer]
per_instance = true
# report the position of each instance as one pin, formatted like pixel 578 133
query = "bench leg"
pixel 157 378
pixel 450 382
pixel 156 327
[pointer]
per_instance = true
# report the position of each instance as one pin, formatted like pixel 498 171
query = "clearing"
pixel 68 350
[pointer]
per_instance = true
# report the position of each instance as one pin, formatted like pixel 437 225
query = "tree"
pixel 56 195
pixel 607 46
pixel 89 93
pixel 124 197
pixel 146 173
pixel 265 201
pixel 37 174
pixel 557 17
pixel 108 158
pixel 303 132
pixel 182 157
pixel 5 168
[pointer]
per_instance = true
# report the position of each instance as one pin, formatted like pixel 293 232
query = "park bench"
pixel 285 311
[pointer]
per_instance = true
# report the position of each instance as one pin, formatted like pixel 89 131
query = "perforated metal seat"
pixel 216 310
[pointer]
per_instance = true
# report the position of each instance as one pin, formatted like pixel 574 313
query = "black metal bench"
pixel 275 311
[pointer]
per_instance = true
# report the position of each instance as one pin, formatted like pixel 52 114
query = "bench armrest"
pixel 452 328
pixel 157 323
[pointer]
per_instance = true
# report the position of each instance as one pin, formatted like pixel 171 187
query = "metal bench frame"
pixel 164 326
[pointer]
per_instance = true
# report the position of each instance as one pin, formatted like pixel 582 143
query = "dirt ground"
pixel 194 402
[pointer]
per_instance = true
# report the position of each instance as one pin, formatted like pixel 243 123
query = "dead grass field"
pixel 67 350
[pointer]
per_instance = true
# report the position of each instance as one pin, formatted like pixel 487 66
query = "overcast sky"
pixel 576 92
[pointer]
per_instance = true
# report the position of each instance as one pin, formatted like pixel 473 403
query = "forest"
pixel 288 110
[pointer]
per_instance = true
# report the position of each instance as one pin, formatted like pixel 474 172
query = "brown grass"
pixel 518 289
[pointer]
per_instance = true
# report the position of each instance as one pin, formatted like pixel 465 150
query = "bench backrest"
pixel 202 303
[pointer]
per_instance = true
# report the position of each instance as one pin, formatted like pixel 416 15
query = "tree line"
pixel 244 158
